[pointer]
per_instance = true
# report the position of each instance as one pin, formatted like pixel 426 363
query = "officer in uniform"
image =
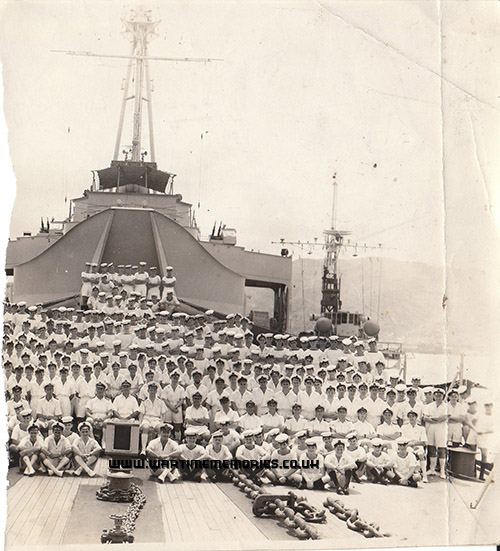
pixel 162 448
pixel 56 451
pixel 86 451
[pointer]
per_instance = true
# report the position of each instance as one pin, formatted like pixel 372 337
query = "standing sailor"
pixel 168 282
pixel 154 283
pixel 141 280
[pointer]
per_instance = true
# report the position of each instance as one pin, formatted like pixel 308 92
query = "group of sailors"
pixel 103 287
pixel 323 411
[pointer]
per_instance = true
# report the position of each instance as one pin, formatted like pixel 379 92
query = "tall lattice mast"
pixel 334 240
pixel 141 28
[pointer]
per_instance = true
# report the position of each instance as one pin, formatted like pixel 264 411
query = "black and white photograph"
pixel 252 270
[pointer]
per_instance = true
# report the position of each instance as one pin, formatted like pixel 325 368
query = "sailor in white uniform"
pixel 154 283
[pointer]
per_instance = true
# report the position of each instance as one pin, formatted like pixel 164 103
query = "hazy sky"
pixel 306 90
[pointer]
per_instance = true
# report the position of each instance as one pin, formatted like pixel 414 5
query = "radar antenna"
pixel 333 244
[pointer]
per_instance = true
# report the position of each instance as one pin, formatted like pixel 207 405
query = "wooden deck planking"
pixel 218 528
pixel 168 515
pixel 168 535
pixel 100 469
pixel 15 516
pixel 53 500
pixel 21 489
pixel 197 513
pixel 194 512
pixel 181 510
pixel 26 513
pixel 222 513
pixel 56 537
pixel 240 525
pixel 56 522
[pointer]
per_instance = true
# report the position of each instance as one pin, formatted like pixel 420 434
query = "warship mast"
pixel 141 27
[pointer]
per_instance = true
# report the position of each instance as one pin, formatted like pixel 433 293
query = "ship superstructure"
pixel 130 213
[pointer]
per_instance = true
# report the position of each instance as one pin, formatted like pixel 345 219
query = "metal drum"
pixel 462 463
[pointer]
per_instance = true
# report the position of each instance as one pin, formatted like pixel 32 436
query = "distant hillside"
pixel 411 296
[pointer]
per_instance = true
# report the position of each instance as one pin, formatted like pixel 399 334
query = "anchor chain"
pixel 124 524
pixel 134 509
pixel 293 511
pixel 352 519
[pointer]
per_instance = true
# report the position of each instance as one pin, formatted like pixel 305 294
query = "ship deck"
pixel 47 511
